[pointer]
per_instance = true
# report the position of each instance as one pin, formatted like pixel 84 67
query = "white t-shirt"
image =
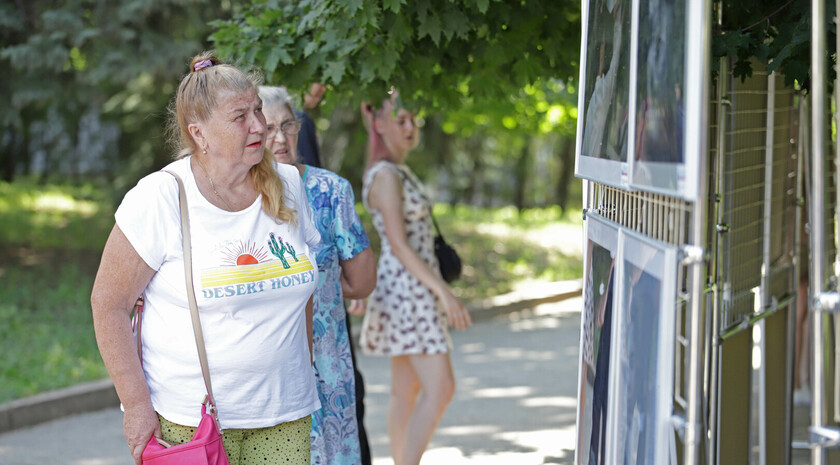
pixel 252 279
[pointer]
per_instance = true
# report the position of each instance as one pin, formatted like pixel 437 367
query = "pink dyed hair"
pixel 377 151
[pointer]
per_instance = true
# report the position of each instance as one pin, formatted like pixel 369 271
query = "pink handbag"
pixel 206 447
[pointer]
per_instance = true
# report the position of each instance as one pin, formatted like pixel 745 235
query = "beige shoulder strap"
pixel 188 276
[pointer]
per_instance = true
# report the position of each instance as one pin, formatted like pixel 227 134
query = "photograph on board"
pixel 605 91
pixel 596 335
pixel 658 161
pixel 643 352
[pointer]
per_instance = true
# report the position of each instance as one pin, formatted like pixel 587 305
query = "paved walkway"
pixel 515 402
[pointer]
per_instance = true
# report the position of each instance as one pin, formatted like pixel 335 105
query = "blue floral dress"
pixel 334 434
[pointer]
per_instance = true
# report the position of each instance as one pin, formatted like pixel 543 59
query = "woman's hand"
pixel 139 425
pixel 357 307
pixel 314 96
pixel 458 315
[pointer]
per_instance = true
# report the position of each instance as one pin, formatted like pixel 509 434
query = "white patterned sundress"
pixel 403 316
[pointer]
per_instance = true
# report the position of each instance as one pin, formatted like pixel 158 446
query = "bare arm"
pixel 122 277
pixel 386 196
pixel 358 275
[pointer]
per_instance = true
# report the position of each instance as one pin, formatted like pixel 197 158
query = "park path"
pixel 515 402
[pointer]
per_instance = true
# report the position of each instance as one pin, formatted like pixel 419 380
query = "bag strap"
pixel 136 324
pixel 196 321
pixel 406 176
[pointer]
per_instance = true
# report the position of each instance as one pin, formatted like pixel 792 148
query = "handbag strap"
pixel 406 176
pixel 196 321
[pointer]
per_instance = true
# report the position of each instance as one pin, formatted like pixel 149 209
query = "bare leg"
pixel 437 388
pixel 404 389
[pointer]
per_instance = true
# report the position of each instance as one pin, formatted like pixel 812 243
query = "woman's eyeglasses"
pixel 289 128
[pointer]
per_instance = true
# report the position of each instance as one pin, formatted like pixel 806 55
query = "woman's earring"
pixel 204 151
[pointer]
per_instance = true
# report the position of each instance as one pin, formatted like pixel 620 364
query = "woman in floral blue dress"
pixel 347 270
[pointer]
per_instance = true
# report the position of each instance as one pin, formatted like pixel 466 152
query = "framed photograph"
pixel 666 67
pixel 642 358
pixel 604 92
pixel 596 336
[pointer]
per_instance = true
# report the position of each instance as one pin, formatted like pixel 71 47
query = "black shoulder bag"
pixel 448 260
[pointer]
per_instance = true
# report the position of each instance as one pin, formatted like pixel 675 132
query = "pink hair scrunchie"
pixel 202 64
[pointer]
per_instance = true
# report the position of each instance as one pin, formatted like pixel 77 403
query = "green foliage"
pixel 51 238
pixel 777 33
pixel 46 329
pixel 86 83
pixel 438 51
pixel 61 217
pixel 545 107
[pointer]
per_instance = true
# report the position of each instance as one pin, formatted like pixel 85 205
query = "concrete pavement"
pixel 515 401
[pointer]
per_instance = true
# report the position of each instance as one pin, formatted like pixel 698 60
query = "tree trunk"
pixel 10 155
pixel 521 170
pixel 474 147
pixel 567 166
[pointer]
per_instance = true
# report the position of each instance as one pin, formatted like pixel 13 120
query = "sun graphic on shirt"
pixel 244 254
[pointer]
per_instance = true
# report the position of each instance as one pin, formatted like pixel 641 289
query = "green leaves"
pixel 275 55
pixel 776 33
pixel 455 24
pixel 334 72
pixel 426 47
pixel 430 27
pixel 393 5
pixel 65 60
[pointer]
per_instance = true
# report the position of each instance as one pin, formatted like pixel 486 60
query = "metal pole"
pixel 792 332
pixel 816 219
pixel 714 391
pixel 696 139
pixel 836 264
pixel 765 268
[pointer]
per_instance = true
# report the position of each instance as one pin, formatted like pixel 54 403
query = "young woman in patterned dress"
pixel 410 310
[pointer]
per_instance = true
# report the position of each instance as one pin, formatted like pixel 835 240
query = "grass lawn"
pixel 51 239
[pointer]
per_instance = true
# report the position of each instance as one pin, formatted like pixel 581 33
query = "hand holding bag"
pixel 206 447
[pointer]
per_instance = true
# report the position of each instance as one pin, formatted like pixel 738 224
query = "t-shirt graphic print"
pixel 250 268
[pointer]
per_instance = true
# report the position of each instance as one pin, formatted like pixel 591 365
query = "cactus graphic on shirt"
pixel 290 248
pixel 279 250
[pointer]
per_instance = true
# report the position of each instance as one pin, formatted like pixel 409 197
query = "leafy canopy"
pixel 776 33
pixel 441 53
pixel 86 83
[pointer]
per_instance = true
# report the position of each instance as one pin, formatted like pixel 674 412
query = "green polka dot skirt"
pixel 284 444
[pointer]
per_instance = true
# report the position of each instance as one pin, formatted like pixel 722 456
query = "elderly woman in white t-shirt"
pixel 254 271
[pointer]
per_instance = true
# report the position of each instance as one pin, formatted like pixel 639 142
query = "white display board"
pixel 642 355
